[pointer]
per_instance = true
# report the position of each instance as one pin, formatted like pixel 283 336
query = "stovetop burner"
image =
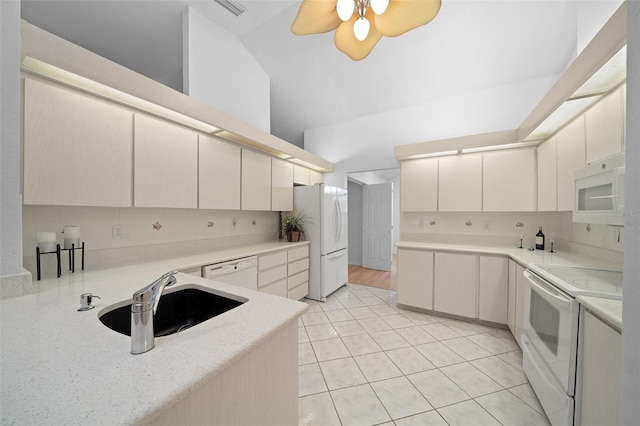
pixel 583 281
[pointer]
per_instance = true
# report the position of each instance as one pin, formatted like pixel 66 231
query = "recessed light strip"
pixel 38 67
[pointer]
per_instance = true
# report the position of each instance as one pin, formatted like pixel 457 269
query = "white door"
pixel 377 224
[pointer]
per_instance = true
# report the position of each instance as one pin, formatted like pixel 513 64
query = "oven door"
pixel 551 327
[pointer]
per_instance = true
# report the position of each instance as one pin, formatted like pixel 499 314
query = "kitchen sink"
pixel 179 309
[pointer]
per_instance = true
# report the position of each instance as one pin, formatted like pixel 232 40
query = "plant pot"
pixel 293 236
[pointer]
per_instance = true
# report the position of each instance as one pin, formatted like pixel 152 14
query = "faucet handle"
pixel 85 301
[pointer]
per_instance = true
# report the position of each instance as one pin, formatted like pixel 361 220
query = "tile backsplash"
pixel 500 228
pixel 144 230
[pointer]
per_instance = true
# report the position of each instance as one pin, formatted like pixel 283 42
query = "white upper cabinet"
pixel 571 156
pixel 460 183
pixel 77 148
pixel 604 124
pixel 219 168
pixel 166 164
pixel 301 175
pixel 281 185
pixel 315 177
pixel 256 181
pixel 547 176
pixel 509 180
pixel 419 185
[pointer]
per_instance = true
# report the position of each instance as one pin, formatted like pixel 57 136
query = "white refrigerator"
pixel 324 213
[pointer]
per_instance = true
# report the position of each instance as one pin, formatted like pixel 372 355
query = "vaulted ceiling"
pixel 471 45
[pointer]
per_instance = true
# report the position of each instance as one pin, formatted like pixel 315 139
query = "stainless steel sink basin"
pixel 179 309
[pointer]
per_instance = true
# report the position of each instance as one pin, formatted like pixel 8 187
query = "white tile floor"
pixel 362 361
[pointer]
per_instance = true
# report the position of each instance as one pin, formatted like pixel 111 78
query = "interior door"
pixel 377 225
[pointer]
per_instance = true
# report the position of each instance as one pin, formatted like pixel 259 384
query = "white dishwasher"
pixel 241 272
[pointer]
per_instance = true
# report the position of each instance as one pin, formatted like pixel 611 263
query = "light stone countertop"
pixel 61 366
pixel 607 310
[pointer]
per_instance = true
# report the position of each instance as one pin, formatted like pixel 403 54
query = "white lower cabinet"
pixel 285 273
pixel 511 304
pixel 464 284
pixel 455 284
pixel 519 304
pixel 298 272
pixel 415 278
pixel 600 385
pixel 493 289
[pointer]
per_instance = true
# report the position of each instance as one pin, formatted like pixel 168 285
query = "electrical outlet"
pixel 615 234
pixel 486 225
pixel 116 232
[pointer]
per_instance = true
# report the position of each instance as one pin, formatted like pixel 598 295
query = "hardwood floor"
pixel 374 277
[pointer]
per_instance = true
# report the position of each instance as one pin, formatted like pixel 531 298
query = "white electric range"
pixel 550 343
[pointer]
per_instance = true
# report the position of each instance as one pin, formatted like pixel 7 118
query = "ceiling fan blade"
pixel 316 16
pixel 346 42
pixel 404 15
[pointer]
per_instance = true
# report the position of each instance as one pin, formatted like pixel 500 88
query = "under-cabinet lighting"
pixel 303 163
pixel 499 147
pixel 608 77
pixel 566 112
pixel 50 71
pixel 431 154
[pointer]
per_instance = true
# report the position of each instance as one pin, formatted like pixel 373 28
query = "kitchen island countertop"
pixel 61 366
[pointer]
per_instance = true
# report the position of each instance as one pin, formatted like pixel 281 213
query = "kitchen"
pixel 245 221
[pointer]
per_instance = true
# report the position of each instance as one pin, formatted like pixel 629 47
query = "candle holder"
pixel 58 252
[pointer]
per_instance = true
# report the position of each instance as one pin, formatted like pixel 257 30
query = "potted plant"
pixel 291 225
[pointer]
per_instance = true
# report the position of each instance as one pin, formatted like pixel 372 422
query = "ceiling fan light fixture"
pixel 361 28
pixel 379 6
pixel 345 9
pixel 357 33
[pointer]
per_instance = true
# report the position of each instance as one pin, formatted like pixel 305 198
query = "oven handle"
pixel 549 293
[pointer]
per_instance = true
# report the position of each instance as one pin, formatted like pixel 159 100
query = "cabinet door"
pixel 315 177
pixel 570 146
pixel 281 185
pixel 493 293
pixel 166 164
pixel 460 183
pixel 601 348
pixel 519 312
pixel 218 174
pixel 415 278
pixel 604 130
pixel 455 284
pixel 419 185
pixel 547 176
pixel 77 148
pixel 511 310
pixel 300 175
pixel 509 181
pixel 256 181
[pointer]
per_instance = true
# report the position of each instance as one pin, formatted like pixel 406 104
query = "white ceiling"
pixel 472 45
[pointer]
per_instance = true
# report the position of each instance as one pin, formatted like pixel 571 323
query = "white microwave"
pixel 599 192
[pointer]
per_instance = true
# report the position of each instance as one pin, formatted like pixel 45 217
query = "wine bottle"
pixel 540 239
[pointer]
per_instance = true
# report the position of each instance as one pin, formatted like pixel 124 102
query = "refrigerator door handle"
pixel 339 223
pixel 336 218
pixel 336 254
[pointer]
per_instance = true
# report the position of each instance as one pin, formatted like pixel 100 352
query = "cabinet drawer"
pixel 271 260
pixel 271 275
pixel 279 288
pixel 297 279
pixel 298 266
pixel 299 292
pixel 298 253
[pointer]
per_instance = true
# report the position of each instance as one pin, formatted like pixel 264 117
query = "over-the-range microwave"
pixel 599 192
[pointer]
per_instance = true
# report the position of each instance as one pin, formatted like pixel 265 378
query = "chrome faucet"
pixel 143 308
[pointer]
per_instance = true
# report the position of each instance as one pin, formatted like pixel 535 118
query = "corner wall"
pixel 630 391
pixel 10 143
pixel 219 71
